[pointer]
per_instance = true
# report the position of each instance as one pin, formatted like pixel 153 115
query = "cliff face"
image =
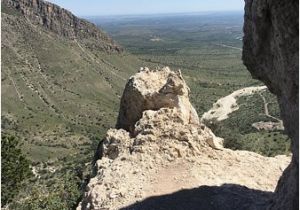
pixel 160 148
pixel 271 54
pixel 63 23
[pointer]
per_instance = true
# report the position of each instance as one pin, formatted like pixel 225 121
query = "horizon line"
pixel 161 13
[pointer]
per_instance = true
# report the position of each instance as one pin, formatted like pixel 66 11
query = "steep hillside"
pixel 61 82
pixel 62 22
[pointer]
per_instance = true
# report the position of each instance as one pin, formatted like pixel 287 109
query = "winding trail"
pixel 269 126
pixel 226 105
pixel 267 109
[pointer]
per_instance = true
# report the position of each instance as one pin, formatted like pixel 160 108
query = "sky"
pixel 133 7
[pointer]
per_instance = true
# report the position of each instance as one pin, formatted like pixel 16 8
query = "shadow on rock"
pixel 225 197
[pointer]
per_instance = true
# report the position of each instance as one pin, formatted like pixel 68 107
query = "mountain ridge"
pixel 63 23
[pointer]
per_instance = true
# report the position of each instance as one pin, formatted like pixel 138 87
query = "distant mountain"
pixel 61 81
pixel 62 23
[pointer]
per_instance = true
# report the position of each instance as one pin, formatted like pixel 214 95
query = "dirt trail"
pixel 15 86
pixel 226 105
pixel 267 109
pixel 228 46
pixel 208 181
pixel 94 59
pixel 269 126
pixel 212 171
pixel 171 179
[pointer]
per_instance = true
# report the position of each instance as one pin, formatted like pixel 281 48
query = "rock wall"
pixel 271 54
pixel 63 23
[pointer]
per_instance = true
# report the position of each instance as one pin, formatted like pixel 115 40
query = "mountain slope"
pixel 62 22
pixel 61 82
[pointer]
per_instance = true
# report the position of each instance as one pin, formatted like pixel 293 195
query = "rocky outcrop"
pixel 160 147
pixel 152 90
pixel 271 54
pixel 63 23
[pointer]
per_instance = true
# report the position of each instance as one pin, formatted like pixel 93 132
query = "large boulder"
pixel 152 90
pixel 271 54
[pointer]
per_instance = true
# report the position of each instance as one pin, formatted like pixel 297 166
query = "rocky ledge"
pixel 160 147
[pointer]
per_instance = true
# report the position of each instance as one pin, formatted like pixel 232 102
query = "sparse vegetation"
pixel 239 133
pixel 60 98
pixel 62 194
pixel 197 46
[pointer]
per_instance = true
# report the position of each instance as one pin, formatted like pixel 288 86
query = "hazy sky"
pixel 118 7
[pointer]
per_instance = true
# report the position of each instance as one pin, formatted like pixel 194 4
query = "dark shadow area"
pixel 225 197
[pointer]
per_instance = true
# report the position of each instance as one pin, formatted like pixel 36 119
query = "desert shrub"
pixel 62 195
pixel 14 168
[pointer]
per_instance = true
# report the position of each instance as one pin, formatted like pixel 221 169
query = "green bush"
pixel 14 168
pixel 56 195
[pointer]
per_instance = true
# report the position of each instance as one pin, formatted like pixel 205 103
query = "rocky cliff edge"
pixel 160 147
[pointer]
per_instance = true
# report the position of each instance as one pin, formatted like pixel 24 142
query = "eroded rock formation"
pixel 271 54
pixel 160 147
pixel 152 90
